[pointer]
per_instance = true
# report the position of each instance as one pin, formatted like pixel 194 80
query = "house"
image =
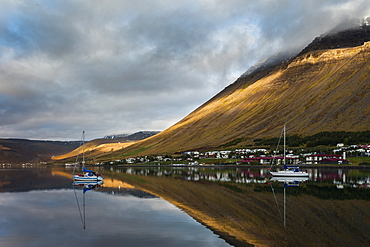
pixel 130 160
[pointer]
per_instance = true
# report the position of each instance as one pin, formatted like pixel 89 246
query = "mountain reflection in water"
pixel 238 204
pixel 39 208
pixel 330 209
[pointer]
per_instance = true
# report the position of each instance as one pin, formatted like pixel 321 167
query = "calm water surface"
pixel 39 206
pixel 330 208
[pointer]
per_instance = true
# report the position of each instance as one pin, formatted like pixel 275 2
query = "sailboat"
pixel 86 175
pixel 289 171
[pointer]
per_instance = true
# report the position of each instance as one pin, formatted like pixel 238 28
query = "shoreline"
pixel 248 166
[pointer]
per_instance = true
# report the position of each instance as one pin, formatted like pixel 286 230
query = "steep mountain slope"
pixel 319 90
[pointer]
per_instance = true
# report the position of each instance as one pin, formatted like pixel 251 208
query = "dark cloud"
pixel 124 66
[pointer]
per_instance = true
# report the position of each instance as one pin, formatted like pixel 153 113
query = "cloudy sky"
pixel 121 66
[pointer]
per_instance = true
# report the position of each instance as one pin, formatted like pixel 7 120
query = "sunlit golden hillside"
pixel 325 90
pixel 92 150
pixel 104 146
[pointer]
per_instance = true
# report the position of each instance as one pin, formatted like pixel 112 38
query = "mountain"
pixel 103 146
pixel 115 136
pixel 17 151
pixel 326 87
pixel 347 38
pixel 133 137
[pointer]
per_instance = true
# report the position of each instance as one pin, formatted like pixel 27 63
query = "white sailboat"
pixel 289 171
pixel 86 175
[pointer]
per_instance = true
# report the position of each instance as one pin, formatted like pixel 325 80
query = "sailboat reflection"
pixel 86 186
pixel 288 182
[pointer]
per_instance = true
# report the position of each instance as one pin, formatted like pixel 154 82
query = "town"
pixel 258 156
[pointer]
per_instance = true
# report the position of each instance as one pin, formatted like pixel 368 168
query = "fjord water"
pixel 236 206
pixel 39 207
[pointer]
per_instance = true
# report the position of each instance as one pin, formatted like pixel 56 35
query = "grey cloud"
pixel 124 66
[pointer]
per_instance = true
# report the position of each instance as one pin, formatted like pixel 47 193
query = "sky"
pixel 122 66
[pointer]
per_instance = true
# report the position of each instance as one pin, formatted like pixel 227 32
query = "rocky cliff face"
pixel 347 38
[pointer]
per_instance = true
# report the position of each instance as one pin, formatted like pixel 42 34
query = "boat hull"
pixel 289 179
pixel 289 174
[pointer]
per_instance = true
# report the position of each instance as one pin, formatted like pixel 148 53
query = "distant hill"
pixel 326 87
pixel 17 151
pixel 103 146
pixel 115 136
pixel 133 137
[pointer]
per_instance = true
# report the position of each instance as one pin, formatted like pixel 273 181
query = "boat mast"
pixel 83 149
pixel 284 145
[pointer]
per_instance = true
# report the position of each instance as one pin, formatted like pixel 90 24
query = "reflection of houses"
pixel 326 159
pixel 271 160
